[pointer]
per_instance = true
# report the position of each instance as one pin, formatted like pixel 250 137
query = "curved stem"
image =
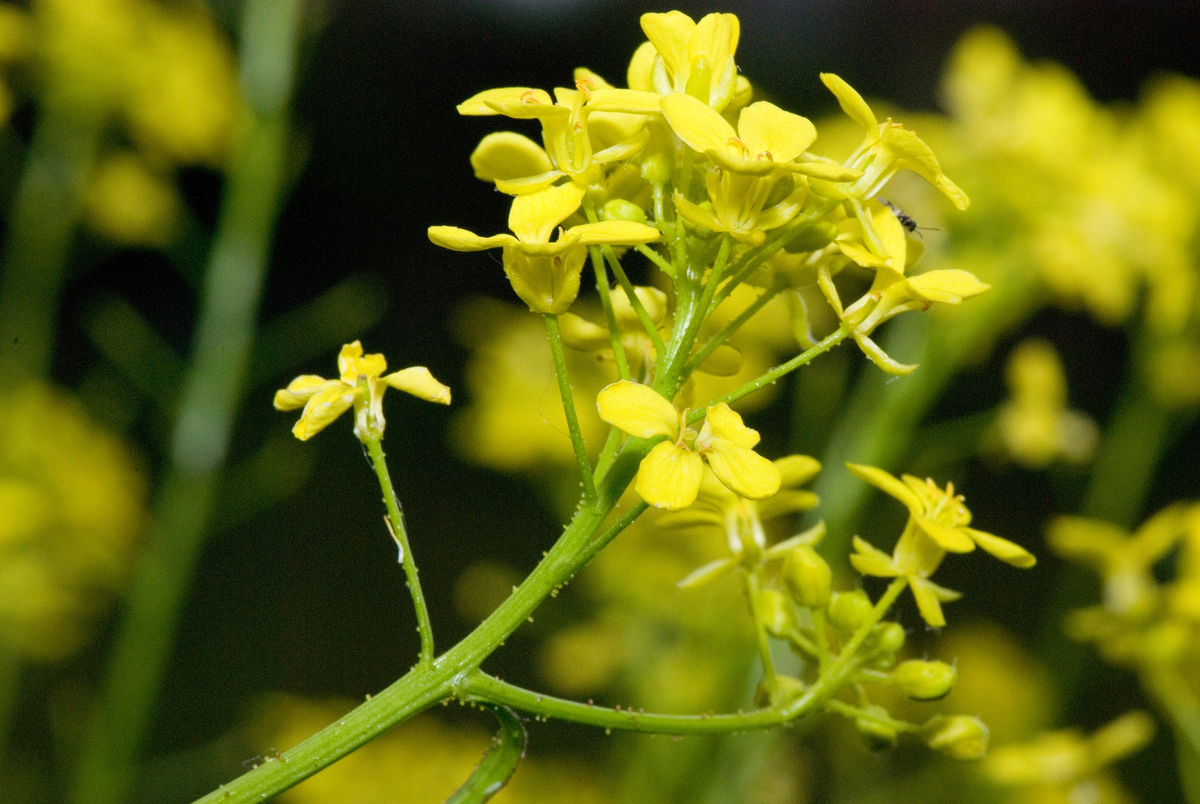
pixel 774 374
pixel 610 319
pixel 733 326
pixel 639 309
pixel 568 402
pixel 395 522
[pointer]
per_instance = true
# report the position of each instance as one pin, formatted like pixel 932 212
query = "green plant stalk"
pixel 42 222
pixel 105 767
pixel 753 587
pixel 610 318
pixel 425 685
pixel 568 402
pixel 733 326
pixel 635 301
pixel 395 519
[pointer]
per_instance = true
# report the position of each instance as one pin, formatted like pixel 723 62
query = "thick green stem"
pixel 211 394
pixel 568 402
pixel 395 520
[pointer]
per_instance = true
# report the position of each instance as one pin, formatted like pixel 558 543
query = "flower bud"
pixel 876 729
pixel 656 168
pixel 618 209
pixel 819 235
pixel 848 610
pixel 776 612
pixel 787 689
pixel 808 577
pixel 882 644
pixel 957 736
pixel 924 681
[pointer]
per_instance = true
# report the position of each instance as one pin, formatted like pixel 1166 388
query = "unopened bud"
pixel 882 643
pixel 618 209
pixel 848 610
pixel 808 577
pixel 787 689
pixel 776 612
pixel 876 729
pixel 656 168
pixel 957 736
pixel 924 681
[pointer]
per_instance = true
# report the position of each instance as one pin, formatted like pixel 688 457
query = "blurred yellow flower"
pixel 73 513
pixel 1035 427
pixel 130 203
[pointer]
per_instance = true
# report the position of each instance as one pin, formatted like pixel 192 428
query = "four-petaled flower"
pixel 546 274
pixel 937 524
pixel 361 384
pixel 670 475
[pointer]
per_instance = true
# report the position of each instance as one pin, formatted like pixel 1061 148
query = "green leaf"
pixel 499 761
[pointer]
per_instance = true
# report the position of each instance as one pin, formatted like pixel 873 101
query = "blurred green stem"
pixel 42 223
pixel 211 394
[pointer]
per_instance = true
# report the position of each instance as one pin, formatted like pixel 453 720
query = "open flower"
pixel 361 384
pixel 545 274
pixel 691 57
pixel 937 524
pixel 670 475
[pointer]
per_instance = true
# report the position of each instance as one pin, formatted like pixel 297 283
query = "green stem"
pixel 210 396
pixel 41 228
pixel 600 542
pixel 395 519
pixel 568 401
pixel 774 374
pixel 687 326
pixel 610 318
pixel 733 326
pixel 753 587
pixel 638 308
pixel 425 685
pixel 654 257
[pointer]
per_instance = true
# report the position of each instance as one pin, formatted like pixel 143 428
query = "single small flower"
pixel 694 58
pixel 360 385
pixel 937 523
pixel 670 475
pixel 545 274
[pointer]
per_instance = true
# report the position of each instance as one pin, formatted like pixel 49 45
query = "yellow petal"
pixel 581 334
pixel 456 239
pixel 640 68
pixel 723 422
pixel 948 285
pixel 1003 549
pixel 767 129
pixel 670 33
pixel 889 484
pixel 485 102
pixel 669 476
pixel 954 540
pixel 927 602
pixel 743 470
pixel 824 170
pixel 300 390
pixel 614 233
pixel 797 469
pixel 547 277
pixel 534 216
pixel 419 382
pixel 870 560
pixel 698 125
pixel 851 102
pixel 638 410
pixel 630 101
pixel 323 408
pixel 508 155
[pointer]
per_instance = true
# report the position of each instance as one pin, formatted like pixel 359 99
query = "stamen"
pixel 734 141
pixel 766 154
pixel 530 96
pixel 585 85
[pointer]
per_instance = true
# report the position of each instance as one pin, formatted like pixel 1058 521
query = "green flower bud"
pixel 819 235
pixel 882 644
pixel 876 729
pixel 618 209
pixel 808 577
pixel 656 168
pixel 957 736
pixel 776 612
pixel 780 191
pixel 848 610
pixel 924 681
pixel 787 689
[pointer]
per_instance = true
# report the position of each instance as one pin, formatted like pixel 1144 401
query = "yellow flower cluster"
pixel 73 513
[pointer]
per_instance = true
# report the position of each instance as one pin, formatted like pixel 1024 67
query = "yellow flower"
pixel 518 165
pixel 360 385
pixel 670 475
pixel 1036 427
pixel 693 58
pixel 546 274
pixel 937 524
pixel 750 163
pixel 72 508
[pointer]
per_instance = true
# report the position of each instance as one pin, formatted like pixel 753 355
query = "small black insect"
pixel 905 219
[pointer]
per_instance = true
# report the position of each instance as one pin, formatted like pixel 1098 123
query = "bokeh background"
pixel 304 596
